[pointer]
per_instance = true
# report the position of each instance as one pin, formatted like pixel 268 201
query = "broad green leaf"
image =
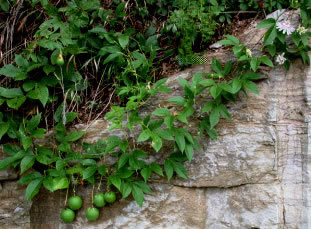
pixel 33 188
pixel 177 100
pixel 156 168
pixel 155 124
pixel 169 169
pixel 112 143
pixel 146 172
pixel 214 117
pixel 60 183
pixel 138 195
pixel 33 122
pixel 208 107
pixel 266 61
pixel 44 94
pixel 272 50
pixel 225 87
pixel 161 112
pixel 139 153
pixel 226 42
pixel 270 36
pixel 116 181
pixel 251 86
pixel 267 23
pixel 26 142
pixel 180 169
pixel 16 102
pixel 64 147
pixel 255 62
pixel 144 136
pixel 184 83
pixel 11 92
pixel 89 171
pixel 4 127
pixel 6 162
pixel 126 189
pixel 123 160
pixel 189 151
pixel 74 136
pixel 70 116
pixel 10 149
pixel 27 163
pixel 165 134
pixel 123 40
pixel 111 57
pixel 224 111
pixel 156 143
pixel 102 170
pixel 29 177
pixel 251 76
pixel 234 39
pixel 60 164
pixel 180 140
pixel 215 91
pixel 169 121
pixel 125 173
pixel 10 70
pixel 88 162
pixel 207 82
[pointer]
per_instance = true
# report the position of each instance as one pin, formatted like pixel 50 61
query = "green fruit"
pixel 110 197
pixel 92 214
pixel 60 60
pixel 75 202
pixel 99 200
pixel 67 215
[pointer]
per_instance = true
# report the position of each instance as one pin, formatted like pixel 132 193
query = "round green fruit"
pixel 110 197
pixel 67 215
pixel 60 60
pixel 99 200
pixel 75 202
pixel 92 214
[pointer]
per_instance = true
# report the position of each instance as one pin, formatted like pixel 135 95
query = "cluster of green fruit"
pixel 91 213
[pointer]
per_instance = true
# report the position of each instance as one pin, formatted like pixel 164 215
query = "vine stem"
pixel 66 196
pixel 93 194
pixel 100 183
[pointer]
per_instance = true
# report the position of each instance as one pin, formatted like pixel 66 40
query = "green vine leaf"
pixel 88 172
pixel 33 188
pixel 27 163
pixel 169 169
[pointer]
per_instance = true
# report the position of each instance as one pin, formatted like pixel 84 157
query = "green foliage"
pixel 77 31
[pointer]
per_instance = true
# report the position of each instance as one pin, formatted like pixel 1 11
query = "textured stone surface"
pixel 168 207
pixel 256 175
pixel 14 209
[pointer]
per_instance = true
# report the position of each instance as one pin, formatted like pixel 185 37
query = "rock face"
pixel 256 175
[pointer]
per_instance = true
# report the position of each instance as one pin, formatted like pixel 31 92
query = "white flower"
pixel 301 30
pixel 285 27
pixel 280 59
pixel 248 52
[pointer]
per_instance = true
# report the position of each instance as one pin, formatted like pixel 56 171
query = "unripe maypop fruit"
pixel 67 215
pixel 110 197
pixel 99 200
pixel 60 59
pixel 75 202
pixel 92 214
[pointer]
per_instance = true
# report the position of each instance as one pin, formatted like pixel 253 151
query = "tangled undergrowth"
pixel 69 62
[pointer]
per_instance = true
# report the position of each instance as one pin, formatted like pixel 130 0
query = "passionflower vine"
pixel 285 27
pixel 301 30
pixel 280 59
